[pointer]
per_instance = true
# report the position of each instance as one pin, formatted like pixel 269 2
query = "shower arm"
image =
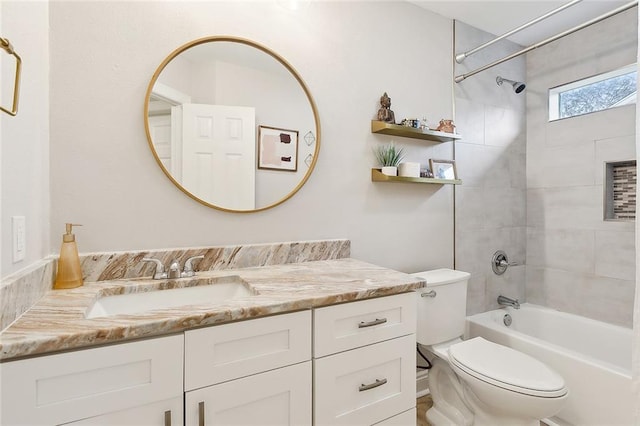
pixel 460 57
pixel 622 8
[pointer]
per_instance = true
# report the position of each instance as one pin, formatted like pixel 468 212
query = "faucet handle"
pixel 188 266
pixel 160 273
pixel 500 262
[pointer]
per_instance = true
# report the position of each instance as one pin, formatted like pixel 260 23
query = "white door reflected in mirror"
pixel 203 107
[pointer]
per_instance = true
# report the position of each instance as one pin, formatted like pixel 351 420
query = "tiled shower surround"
pixel 490 204
pixel 534 188
pixel 578 262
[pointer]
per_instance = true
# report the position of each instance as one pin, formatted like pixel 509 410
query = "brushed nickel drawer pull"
pixel 201 413
pixel 167 418
pixel 377 383
pixel 372 323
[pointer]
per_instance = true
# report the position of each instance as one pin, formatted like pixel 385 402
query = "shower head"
pixel 518 86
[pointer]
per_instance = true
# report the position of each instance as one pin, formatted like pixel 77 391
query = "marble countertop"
pixel 57 321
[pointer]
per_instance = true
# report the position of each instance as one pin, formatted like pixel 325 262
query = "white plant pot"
pixel 390 171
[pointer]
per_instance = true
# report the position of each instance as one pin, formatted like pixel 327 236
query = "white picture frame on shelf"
pixel 443 169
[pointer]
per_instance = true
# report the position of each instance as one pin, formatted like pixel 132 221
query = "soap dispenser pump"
pixel 69 273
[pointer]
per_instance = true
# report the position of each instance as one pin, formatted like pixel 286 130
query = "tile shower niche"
pixel 620 190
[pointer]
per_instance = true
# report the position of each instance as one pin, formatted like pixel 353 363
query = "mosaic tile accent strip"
pixel 624 190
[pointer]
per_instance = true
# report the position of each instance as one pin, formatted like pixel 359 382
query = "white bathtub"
pixel 593 357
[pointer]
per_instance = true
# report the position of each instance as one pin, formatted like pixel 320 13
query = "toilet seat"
pixel 506 368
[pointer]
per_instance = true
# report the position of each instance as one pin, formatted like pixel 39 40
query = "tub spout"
pixel 505 301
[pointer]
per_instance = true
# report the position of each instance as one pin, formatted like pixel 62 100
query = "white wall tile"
pixel 562 249
pixel 621 148
pixel 509 284
pixel 470 121
pixel 577 207
pixel 503 126
pixel 611 123
pixel 608 299
pixel 556 289
pixel 615 255
pixel 562 166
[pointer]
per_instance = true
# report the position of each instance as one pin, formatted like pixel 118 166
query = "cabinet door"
pixel 366 385
pixel 56 389
pixel 163 413
pixel 278 397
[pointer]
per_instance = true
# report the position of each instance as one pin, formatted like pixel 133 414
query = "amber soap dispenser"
pixel 69 273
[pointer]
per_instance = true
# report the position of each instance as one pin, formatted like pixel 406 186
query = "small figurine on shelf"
pixel 446 126
pixel 384 113
pixel 426 173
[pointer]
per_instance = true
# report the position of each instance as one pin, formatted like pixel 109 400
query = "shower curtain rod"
pixel 462 56
pixel 622 8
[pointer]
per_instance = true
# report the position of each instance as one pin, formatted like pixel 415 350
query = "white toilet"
pixel 477 382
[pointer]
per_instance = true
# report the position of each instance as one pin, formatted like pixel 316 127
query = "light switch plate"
pixel 18 237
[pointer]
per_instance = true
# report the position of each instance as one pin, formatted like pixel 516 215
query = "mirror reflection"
pixel 232 124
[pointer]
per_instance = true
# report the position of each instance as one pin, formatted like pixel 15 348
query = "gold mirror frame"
pixel 278 58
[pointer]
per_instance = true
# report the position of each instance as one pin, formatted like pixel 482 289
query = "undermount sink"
pixel 196 291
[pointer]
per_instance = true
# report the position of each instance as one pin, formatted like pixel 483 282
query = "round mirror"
pixel 232 124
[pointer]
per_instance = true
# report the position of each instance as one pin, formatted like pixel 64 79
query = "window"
pixel 597 93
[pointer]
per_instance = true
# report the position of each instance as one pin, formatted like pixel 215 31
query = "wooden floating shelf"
pixel 378 176
pixel 384 128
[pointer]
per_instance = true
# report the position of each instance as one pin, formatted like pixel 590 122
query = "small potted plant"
pixel 389 157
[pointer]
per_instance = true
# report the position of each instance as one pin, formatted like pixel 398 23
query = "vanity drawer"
pixel 350 325
pixel 225 352
pixel 366 385
pixel 61 388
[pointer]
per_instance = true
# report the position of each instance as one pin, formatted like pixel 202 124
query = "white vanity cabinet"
pixel 97 386
pixel 260 371
pixel 364 362
pixel 251 372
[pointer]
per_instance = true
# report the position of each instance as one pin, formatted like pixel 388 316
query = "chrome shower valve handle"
pixel 500 262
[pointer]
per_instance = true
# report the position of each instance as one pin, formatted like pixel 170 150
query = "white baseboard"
pixel 422 388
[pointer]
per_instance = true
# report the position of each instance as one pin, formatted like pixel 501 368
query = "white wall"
pixel 490 205
pixel 103 55
pixel 576 261
pixel 25 138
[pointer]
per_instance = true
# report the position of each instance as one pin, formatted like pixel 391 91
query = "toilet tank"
pixel 442 305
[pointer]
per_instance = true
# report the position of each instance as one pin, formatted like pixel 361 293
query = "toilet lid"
pixel 506 368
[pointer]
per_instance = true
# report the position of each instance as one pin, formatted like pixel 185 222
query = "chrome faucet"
pixel 505 301
pixel 174 268
pixel 159 274
pixel 188 266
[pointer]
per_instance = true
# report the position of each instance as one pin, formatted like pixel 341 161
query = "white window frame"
pixel 554 92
